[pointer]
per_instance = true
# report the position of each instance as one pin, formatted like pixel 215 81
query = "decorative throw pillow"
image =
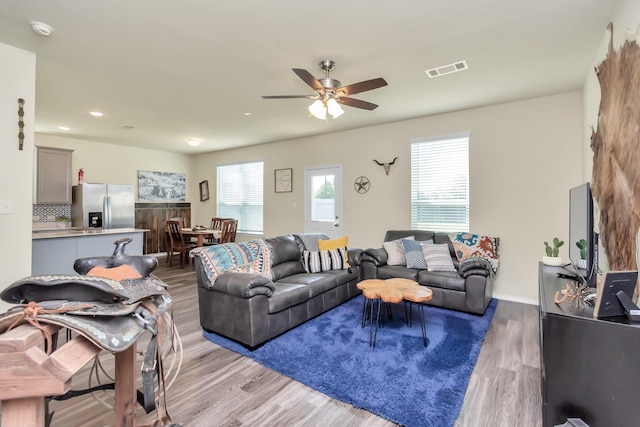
pixel 413 254
pixel 318 261
pixel 395 251
pixel 326 245
pixel 437 257
pixel 473 245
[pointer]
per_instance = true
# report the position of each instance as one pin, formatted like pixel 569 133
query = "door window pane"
pixel 323 201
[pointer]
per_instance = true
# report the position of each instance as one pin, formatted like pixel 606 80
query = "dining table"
pixel 201 234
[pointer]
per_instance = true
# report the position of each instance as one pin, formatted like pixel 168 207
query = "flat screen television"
pixel 583 240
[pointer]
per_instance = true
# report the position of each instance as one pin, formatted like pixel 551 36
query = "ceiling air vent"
pixel 125 127
pixel 447 69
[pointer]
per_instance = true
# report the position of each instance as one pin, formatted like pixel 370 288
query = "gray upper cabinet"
pixel 53 175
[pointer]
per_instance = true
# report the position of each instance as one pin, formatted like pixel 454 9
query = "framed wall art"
pixel 204 190
pixel 283 180
pixel 161 186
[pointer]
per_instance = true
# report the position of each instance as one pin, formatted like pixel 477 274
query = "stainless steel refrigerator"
pixel 103 206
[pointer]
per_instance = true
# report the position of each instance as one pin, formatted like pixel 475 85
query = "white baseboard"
pixel 516 299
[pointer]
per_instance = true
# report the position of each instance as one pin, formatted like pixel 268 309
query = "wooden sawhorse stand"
pixel 28 374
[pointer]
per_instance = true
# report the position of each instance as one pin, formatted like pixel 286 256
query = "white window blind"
pixel 440 184
pixel 239 194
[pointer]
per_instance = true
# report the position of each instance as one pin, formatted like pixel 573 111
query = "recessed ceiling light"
pixel 96 113
pixel 193 142
pixel 247 113
pixel 41 29
pixel 63 128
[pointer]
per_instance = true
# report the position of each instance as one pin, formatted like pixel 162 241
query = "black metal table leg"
pixel 423 325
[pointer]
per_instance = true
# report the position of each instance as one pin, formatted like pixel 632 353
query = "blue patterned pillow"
pixel 413 254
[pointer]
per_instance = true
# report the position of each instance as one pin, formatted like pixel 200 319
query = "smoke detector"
pixel 447 69
pixel 41 29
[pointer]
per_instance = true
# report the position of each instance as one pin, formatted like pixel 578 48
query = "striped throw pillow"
pixel 318 261
pixel 437 257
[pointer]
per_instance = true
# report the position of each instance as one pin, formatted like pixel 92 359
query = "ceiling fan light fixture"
pixel 318 109
pixel 334 108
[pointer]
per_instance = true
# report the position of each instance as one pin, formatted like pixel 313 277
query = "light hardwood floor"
pixel 216 387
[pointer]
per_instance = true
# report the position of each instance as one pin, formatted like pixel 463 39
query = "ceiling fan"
pixel 330 92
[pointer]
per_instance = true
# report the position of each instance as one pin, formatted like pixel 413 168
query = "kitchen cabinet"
pixel 53 175
pixel 154 216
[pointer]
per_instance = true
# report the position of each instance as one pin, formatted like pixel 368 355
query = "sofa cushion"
pixel 438 257
pixel 287 295
pixel 473 245
pixel 442 279
pixel 413 254
pixel 318 261
pixel 316 283
pixel 391 271
pixel 395 251
pixel 286 258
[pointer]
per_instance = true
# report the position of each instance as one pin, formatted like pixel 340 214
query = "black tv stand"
pixel 589 367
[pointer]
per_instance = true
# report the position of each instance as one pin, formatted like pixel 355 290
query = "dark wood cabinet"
pixel 154 216
pixel 590 368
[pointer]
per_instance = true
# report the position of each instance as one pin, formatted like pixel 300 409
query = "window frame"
pixel 247 190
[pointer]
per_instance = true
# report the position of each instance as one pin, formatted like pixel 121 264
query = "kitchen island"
pixel 55 250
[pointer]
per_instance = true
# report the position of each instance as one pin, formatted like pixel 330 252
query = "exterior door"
pixel 323 200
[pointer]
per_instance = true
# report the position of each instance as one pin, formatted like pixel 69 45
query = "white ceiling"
pixel 192 68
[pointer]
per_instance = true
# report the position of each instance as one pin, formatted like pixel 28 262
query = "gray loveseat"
pixel 251 309
pixel 468 289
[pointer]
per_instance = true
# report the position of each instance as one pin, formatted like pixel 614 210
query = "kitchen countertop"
pixel 80 232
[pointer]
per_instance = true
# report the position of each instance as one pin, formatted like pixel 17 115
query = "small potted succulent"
pixel 551 257
pixel 63 221
pixel 582 245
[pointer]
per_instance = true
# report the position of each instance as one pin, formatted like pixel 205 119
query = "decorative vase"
pixel 63 224
pixel 582 263
pixel 554 261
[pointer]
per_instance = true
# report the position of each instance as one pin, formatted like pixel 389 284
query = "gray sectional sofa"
pixel 251 309
pixel 468 289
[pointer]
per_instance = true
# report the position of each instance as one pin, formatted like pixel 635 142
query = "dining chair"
pixel 229 229
pixel 177 243
pixel 216 224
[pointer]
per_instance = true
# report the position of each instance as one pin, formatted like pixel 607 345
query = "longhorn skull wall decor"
pixel 387 166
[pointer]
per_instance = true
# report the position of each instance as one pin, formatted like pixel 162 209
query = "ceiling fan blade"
pixel 352 102
pixel 309 79
pixel 362 86
pixel 288 96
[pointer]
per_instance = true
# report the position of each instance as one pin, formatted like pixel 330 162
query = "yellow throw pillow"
pixel 328 245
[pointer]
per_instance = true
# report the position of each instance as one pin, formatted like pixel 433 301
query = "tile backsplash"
pixel 49 212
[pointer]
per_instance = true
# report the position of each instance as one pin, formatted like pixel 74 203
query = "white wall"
pixel 117 164
pixel 524 157
pixel 17 80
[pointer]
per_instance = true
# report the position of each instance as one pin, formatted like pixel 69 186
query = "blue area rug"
pixel 399 379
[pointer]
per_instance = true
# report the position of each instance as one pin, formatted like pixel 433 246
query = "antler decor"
pixel 387 166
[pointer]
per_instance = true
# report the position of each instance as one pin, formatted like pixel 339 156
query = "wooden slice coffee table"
pixel 393 291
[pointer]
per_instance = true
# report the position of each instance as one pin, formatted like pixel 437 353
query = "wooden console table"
pixel 28 374
pixel 589 367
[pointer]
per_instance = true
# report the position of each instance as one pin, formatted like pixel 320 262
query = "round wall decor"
pixel 362 184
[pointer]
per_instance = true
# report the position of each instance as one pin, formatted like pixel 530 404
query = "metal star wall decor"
pixel 362 184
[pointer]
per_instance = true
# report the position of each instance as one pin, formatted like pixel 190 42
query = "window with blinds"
pixel 440 184
pixel 239 195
